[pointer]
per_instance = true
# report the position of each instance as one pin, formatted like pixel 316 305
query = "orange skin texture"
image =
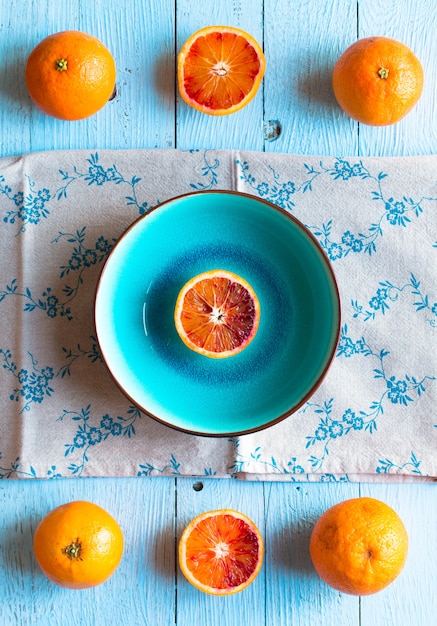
pixel 359 546
pixel 82 524
pixel 83 87
pixel 366 96
pixel 220 69
pixel 221 552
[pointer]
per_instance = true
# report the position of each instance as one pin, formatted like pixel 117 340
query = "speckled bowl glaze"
pixel 297 335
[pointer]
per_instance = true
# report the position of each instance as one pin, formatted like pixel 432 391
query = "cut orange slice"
pixel 217 314
pixel 220 69
pixel 221 552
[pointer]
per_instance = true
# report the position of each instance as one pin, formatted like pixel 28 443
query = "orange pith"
pixel 70 75
pixel 217 314
pixel 359 546
pixel 221 552
pixel 377 81
pixel 220 69
pixel 78 545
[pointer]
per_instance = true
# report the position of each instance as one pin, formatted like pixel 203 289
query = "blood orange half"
pixel 217 314
pixel 220 69
pixel 221 552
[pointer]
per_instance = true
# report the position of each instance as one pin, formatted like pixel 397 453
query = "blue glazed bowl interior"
pixel 299 325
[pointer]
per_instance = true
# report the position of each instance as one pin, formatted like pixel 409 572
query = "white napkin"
pixel 373 418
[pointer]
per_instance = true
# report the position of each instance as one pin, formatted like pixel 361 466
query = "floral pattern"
pixel 26 209
pixel 374 219
pixel 397 211
pixel 87 436
pixel 81 259
pixel 388 293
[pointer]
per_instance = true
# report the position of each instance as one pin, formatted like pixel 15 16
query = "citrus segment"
pixel 221 552
pixel 377 81
pixel 220 69
pixel 359 546
pixel 217 314
pixel 78 545
pixel 70 75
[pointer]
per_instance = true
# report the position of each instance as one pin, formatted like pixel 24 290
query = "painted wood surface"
pixel 302 40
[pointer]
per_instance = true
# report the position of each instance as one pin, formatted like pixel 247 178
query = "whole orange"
pixel 377 81
pixel 78 545
pixel 359 546
pixel 70 75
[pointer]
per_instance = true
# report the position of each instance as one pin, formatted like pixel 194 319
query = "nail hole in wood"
pixel 198 486
pixel 271 130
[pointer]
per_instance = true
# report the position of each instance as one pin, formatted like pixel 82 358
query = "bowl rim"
pixel 331 356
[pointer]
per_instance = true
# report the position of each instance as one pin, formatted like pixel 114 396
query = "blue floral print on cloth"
pixel 373 418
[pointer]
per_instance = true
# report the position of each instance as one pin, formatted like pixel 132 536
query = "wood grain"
pixel 243 128
pixel 415 25
pixel 302 41
pixel 407 601
pixel 196 607
pixel 141 591
pixel 295 594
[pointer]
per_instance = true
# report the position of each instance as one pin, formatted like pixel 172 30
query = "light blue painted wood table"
pixel 301 40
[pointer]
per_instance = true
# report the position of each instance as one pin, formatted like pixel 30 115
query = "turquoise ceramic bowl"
pixel 299 326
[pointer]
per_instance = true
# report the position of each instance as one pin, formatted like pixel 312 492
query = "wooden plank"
pixel 195 608
pixel 14 107
pixel 410 600
pixel 302 43
pixel 141 36
pixel 415 25
pixel 295 595
pixel 141 591
pixel 141 40
pixel 242 129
